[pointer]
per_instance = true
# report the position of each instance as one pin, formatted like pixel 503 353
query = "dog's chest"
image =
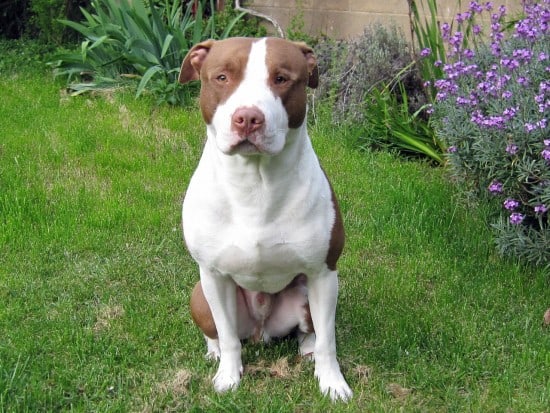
pixel 266 259
pixel 261 243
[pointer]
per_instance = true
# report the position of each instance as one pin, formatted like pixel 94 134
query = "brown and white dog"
pixel 259 215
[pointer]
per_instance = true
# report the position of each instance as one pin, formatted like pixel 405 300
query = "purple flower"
pixel 461 17
pixel 529 127
pixel 510 204
pixel 476 7
pixel 425 52
pixel 546 154
pixel 507 94
pixel 512 149
pixel 510 64
pixel 516 218
pixel 495 187
pixel 540 209
pixel 523 81
pixel 469 54
pixel 452 149
pixel 509 113
pixel 522 54
pixel 445 31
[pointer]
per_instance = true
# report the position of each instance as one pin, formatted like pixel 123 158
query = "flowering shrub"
pixel 491 109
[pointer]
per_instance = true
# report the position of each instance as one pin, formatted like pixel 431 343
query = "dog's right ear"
pixel 191 66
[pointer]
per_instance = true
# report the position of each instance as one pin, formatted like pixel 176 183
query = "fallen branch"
pixel 261 16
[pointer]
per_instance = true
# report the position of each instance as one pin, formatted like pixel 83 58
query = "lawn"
pixel 95 278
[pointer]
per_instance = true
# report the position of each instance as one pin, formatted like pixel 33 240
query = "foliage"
pixel 38 19
pixel 24 56
pixel 45 19
pixel 247 26
pixel 14 15
pixel 430 42
pixel 390 123
pixel 492 110
pixel 138 39
pixel 376 90
pixel 350 69
pixel 296 27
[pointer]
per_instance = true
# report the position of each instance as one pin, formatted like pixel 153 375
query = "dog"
pixel 259 215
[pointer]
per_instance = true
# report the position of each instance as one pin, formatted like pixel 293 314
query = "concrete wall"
pixel 347 18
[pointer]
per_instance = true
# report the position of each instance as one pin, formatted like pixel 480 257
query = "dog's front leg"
pixel 323 295
pixel 220 292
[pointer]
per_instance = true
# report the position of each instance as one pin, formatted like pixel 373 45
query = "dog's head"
pixel 253 90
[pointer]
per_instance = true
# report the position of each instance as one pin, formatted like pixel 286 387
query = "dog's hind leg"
pixel 306 343
pixel 212 348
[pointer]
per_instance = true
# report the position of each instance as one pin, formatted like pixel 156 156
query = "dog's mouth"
pixel 246 147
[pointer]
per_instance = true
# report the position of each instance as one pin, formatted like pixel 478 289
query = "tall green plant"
pixel 390 123
pixel 125 40
pixel 425 30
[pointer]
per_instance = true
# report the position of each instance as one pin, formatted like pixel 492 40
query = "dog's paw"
pixel 227 379
pixel 333 384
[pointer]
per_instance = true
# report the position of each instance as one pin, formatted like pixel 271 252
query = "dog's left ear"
pixel 311 60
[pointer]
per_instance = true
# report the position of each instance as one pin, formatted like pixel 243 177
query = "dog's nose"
pixel 247 120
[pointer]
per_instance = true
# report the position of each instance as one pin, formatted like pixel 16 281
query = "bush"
pixel 491 109
pixel 129 40
pixel 349 70
pixel 374 87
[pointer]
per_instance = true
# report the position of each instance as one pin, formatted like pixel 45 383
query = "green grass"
pixel 95 280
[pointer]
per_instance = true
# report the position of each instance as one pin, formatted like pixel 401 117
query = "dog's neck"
pixel 267 186
pixel 246 173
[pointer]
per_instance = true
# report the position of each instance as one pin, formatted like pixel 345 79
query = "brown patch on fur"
pixel 201 314
pixel 295 63
pixel 337 234
pixel 209 61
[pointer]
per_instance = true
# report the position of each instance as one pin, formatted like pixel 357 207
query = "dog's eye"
pixel 222 78
pixel 279 80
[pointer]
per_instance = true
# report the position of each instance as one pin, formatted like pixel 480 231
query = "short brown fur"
pixel 200 311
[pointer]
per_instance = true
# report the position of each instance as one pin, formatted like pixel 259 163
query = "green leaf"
pixel 147 77
pixel 166 45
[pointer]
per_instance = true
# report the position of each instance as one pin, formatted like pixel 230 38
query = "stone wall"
pixel 347 18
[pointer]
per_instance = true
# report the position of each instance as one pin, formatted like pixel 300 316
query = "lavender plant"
pixel 492 108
